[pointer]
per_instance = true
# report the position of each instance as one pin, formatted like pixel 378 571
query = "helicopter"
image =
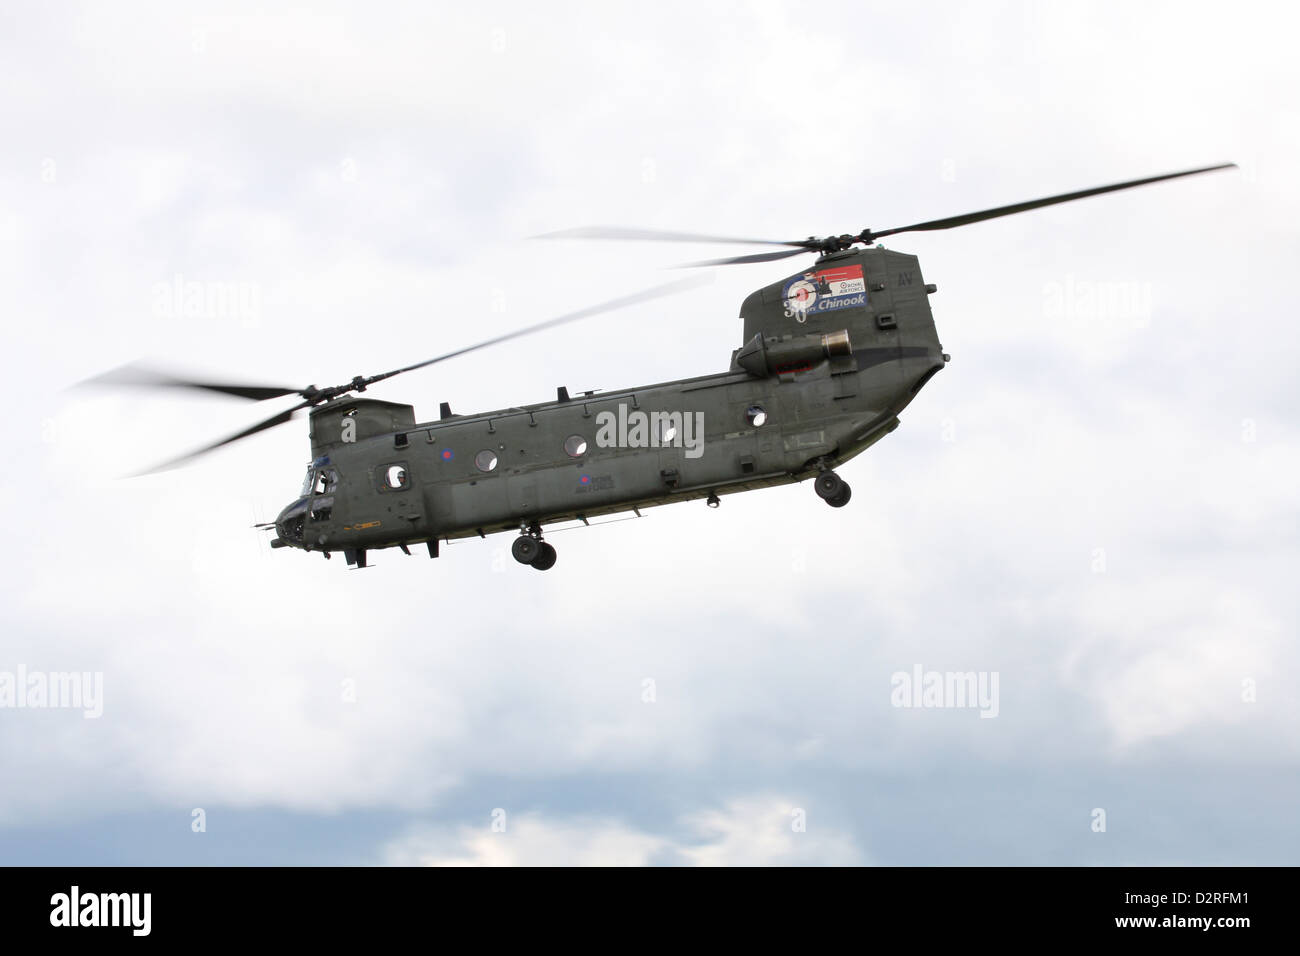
pixel 830 358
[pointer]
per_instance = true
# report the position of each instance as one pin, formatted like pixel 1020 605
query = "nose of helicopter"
pixel 289 525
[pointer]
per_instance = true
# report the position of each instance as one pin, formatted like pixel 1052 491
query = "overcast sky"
pixel 1096 500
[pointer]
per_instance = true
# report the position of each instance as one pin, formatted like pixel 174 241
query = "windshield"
pixel 306 484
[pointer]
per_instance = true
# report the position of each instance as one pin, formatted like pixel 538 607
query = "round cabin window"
pixel 395 476
pixel 756 416
pixel 575 446
pixel 485 460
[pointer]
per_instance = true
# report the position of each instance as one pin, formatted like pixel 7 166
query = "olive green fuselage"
pixel 797 399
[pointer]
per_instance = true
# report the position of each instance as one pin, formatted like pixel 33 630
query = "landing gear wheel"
pixel 829 485
pixel 526 549
pixel 546 559
pixel 842 499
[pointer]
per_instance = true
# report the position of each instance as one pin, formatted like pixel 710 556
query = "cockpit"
pixel 292 522
pixel 322 480
pixel 315 503
pixel 319 480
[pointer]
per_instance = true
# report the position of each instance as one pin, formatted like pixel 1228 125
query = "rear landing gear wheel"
pixel 526 549
pixel 546 559
pixel 829 487
pixel 842 499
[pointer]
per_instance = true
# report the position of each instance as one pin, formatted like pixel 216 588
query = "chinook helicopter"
pixel 829 359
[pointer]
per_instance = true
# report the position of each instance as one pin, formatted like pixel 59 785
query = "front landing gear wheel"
pixel 546 559
pixel 526 549
pixel 842 499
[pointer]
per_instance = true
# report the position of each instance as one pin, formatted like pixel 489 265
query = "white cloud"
pixel 760 831
pixel 527 841
pixel 752 831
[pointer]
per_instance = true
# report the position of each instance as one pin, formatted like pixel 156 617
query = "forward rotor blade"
pixel 140 375
pixel 271 422
pixel 970 217
pixel 647 295
pixel 740 260
pixel 655 235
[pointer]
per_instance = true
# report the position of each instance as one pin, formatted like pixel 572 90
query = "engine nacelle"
pixel 772 356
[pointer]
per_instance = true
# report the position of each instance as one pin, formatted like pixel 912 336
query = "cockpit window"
pixel 322 508
pixel 326 480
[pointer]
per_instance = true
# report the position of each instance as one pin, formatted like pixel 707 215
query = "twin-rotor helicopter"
pixel 830 357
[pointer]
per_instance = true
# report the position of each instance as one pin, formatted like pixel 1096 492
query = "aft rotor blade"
pixel 140 375
pixel 970 217
pixel 271 422
pixel 647 295
pixel 655 235
pixel 740 260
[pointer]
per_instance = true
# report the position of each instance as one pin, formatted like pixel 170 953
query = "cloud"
pixel 757 830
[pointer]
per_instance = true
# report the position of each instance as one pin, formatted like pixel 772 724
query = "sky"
pixel 1094 505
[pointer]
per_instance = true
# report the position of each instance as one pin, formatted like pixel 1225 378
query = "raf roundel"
pixel 448 454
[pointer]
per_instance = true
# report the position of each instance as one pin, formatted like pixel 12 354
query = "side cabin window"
pixel 396 477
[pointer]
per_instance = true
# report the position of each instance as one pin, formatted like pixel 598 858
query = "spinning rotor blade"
pixel 647 295
pixel 755 257
pixel 830 244
pixel 133 374
pixel 619 232
pixel 271 422
pixel 997 213
pixel 311 395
